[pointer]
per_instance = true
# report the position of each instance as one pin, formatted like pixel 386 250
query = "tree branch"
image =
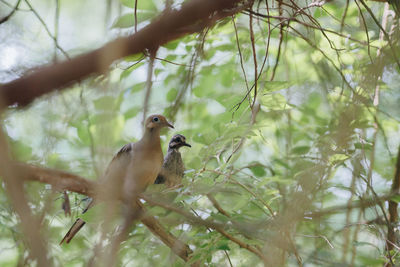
pixel 192 17
pixel 66 181
pixel 4 19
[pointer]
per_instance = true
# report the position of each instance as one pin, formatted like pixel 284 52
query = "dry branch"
pixel 171 24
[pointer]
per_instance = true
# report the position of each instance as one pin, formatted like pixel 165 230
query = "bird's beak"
pixel 186 144
pixel 170 125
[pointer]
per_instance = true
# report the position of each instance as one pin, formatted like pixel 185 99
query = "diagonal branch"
pixel 193 16
pixel 6 18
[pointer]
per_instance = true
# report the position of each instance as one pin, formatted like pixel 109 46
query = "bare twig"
pixel 383 30
pixel 253 47
pixel 135 12
pixel 6 18
pixel 240 55
pixel 149 83
pixel 53 37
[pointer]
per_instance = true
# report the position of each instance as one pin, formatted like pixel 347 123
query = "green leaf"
pixel 223 246
pixel 396 198
pixel 258 171
pixel 125 21
pixel 300 150
pixel 21 150
pixel 273 86
pixel 172 45
pixel 275 101
pixel 104 102
pixel 128 20
pixel 83 134
pixel 338 158
pixel 141 5
pixel 130 113
pixel 137 87
pixel 171 95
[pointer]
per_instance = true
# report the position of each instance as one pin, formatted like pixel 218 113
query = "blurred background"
pixel 292 174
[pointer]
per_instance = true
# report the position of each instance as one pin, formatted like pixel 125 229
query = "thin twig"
pixel 149 83
pixel 240 55
pixel 6 18
pixel 253 46
pixel 47 29
pixel 135 12
pixel 387 36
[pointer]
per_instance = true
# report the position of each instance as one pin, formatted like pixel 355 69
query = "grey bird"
pixel 172 169
pixel 131 170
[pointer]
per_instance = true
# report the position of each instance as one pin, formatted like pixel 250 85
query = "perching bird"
pixel 172 169
pixel 132 169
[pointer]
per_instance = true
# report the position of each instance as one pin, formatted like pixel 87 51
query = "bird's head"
pixel 178 141
pixel 157 122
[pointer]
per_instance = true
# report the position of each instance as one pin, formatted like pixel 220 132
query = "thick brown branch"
pixel 178 247
pixel 58 179
pixel 193 16
pixel 207 223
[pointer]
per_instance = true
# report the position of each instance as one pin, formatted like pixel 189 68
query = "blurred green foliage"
pixel 318 140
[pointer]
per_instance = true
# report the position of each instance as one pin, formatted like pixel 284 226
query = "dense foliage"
pixel 291 110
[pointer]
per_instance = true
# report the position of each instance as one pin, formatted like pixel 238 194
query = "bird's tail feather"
pixel 78 224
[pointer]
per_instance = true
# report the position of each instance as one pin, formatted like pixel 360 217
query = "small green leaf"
pixel 171 95
pixel 258 171
pixel 274 101
pixel 365 146
pixel 137 87
pixel 125 21
pixel 141 5
pixel 128 20
pixel 130 113
pixel 83 134
pixel 172 45
pixel 21 151
pixel 338 158
pixel 396 198
pixel 276 86
pixel 104 102
pixel 300 150
pixel 224 247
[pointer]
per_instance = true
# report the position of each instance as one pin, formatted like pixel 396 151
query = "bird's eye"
pixel 178 140
pixel 156 119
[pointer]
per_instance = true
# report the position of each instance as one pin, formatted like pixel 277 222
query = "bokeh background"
pixel 302 166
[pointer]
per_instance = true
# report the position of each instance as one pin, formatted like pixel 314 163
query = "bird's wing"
pixel 118 165
pixel 122 157
pixel 114 170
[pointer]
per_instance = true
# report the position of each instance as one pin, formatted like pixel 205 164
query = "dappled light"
pixel 199 133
